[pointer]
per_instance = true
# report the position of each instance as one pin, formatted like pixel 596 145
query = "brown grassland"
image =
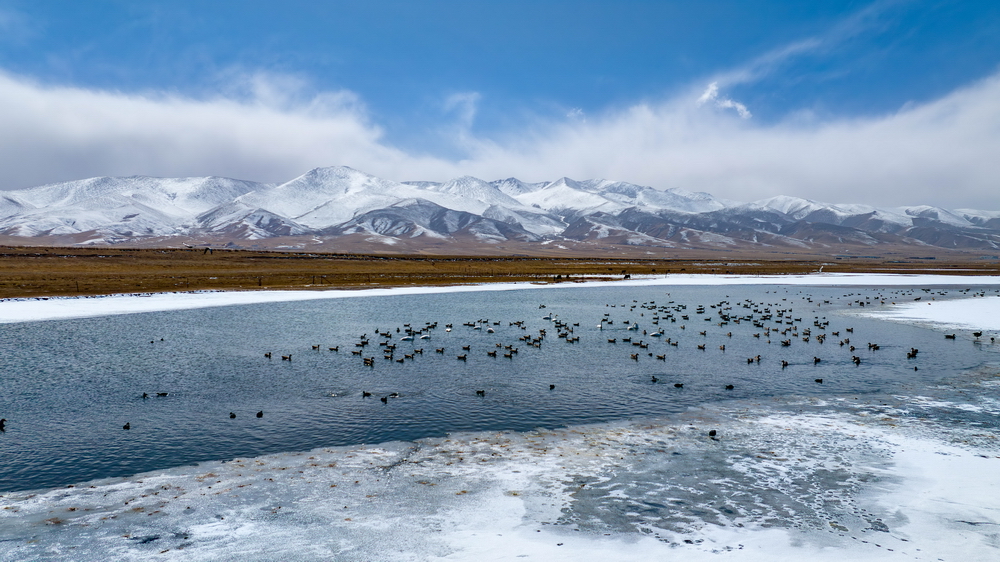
pixel 51 271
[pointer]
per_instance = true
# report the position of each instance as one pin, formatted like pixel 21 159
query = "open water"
pixel 67 387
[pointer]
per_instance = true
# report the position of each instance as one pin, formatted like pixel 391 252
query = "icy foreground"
pixel 816 481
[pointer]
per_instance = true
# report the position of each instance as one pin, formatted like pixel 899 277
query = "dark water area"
pixel 67 387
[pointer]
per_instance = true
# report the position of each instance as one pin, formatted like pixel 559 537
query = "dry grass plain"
pixel 51 271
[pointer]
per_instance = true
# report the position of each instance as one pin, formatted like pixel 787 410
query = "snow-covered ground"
pixel 58 308
pixel 982 313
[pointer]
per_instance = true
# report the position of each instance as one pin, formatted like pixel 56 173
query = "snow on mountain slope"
pixel 412 218
pixel 170 196
pixel 128 206
pixel 325 196
pixel 935 213
pixel 474 194
pixel 515 187
pixel 565 196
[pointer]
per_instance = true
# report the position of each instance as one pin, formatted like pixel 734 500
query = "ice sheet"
pixel 56 308
pixel 975 313
pixel 815 480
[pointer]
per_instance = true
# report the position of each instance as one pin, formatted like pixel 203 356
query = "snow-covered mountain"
pixel 330 203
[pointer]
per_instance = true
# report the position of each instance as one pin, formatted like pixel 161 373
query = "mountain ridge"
pixel 326 204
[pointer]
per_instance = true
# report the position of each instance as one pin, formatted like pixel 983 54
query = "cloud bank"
pixel 941 153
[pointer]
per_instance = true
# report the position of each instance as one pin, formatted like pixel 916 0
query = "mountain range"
pixel 342 208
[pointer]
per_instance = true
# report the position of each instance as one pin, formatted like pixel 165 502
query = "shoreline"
pixel 31 309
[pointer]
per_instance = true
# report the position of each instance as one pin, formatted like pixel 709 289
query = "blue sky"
pixel 709 94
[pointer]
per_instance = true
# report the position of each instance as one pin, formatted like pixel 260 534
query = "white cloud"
pixel 711 93
pixel 942 152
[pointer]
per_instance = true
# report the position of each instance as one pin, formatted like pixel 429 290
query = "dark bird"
pixel 232 415
pixel 729 387
pixel 654 379
pixel 712 433
pixel 365 394
pixel 678 385
pixel 260 414
pixel 144 396
pixel 552 387
pixel 977 334
pixel 480 393
pixel 162 394
pixel 127 426
pixel 384 399
pixel 820 381
pixel 3 422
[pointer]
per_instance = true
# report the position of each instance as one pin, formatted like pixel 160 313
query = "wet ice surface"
pixel 895 477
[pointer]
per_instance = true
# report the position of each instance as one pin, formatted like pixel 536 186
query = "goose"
pixel 461 357
pixel 268 355
pixel 289 357
pixel 439 350
pixel 335 348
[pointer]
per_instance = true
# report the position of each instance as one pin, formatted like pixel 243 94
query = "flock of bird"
pixel 773 321
pixel 775 326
